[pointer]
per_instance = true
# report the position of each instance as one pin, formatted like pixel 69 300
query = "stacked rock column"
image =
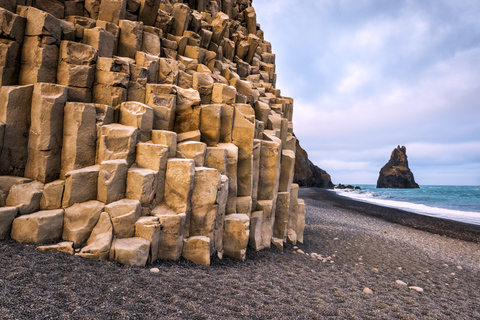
pixel 144 130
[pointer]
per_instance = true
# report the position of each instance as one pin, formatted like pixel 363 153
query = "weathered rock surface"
pixel 137 130
pixel 39 227
pixel 396 173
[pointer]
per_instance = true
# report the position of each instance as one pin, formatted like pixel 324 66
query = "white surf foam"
pixel 456 215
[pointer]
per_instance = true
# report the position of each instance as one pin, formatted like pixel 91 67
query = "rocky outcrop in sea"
pixel 396 173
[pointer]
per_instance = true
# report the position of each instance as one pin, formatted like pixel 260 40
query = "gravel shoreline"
pixel 360 249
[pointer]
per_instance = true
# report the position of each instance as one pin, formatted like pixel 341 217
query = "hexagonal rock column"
pixel 80 186
pixel 210 123
pixel 117 142
pixel 112 180
pixel 269 170
pixel 46 132
pixel 192 150
pixel 52 195
pixel 231 172
pixel 26 197
pixel 149 228
pixel 39 227
pixel 6 183
pixel 179 185
pixel 76 65
pixel 39 51
pixel 98 244
pixel 79 221
pixel 242 136
pixel 203 201
pixel 130 251
pixel 167 138
pixel 163 103
pixel 287 169
pixel 197 250
pixel 79 136
pixel 292 215
pixel 300 220
pixel 172 232
pixel 235 236
pixel 154 157
pixel 138 115
pixel 216 243
pixel 15 104
pixel 141 185
pixel 281 215
pixel 124 213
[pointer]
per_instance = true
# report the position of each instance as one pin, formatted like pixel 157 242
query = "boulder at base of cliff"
pixel 396 173
pixel 307 174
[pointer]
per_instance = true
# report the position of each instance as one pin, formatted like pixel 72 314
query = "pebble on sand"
pixel 300 251
pixel 459 268
pixel 400 282
pixel 154 270
pixel 367 290
pixel 418 289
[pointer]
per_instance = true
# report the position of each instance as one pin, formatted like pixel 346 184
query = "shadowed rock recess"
pixel 137 130
pixel 396 173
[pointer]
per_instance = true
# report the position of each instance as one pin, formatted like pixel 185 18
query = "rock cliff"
pixel 307 174
pixel 396 173
pixel 136 130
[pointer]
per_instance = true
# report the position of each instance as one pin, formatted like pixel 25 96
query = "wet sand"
pixel 359 244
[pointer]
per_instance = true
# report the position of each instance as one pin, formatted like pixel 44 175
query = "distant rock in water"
pixel 307 174
pixel 396 173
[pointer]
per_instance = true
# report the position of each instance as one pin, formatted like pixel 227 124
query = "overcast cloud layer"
pixel 368 75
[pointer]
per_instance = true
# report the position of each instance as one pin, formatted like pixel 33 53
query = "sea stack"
pixel 396 173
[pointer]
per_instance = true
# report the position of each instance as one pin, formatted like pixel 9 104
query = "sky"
pixel 369 75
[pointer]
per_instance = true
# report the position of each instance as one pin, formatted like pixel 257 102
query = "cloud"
pixel 369 75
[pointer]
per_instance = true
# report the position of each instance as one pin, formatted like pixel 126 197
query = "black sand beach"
pixel 362 245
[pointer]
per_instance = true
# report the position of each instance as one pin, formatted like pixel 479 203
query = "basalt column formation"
pixel 137 130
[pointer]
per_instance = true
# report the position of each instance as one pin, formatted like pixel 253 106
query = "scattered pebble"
pixel 335 238
pixel 300 251
pixel 400 282
pixel 399 268
pixel 375 270
pixel 295 247
pixel 155 270
pixel 418 289
pixel 453 273
pixel 459 268
pixel 367 290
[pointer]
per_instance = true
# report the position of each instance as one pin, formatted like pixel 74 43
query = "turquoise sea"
pixel 459 203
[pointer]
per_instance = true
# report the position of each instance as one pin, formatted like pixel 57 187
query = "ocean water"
pixel 459 203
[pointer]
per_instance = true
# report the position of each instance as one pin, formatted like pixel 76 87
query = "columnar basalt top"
pixel 137 130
